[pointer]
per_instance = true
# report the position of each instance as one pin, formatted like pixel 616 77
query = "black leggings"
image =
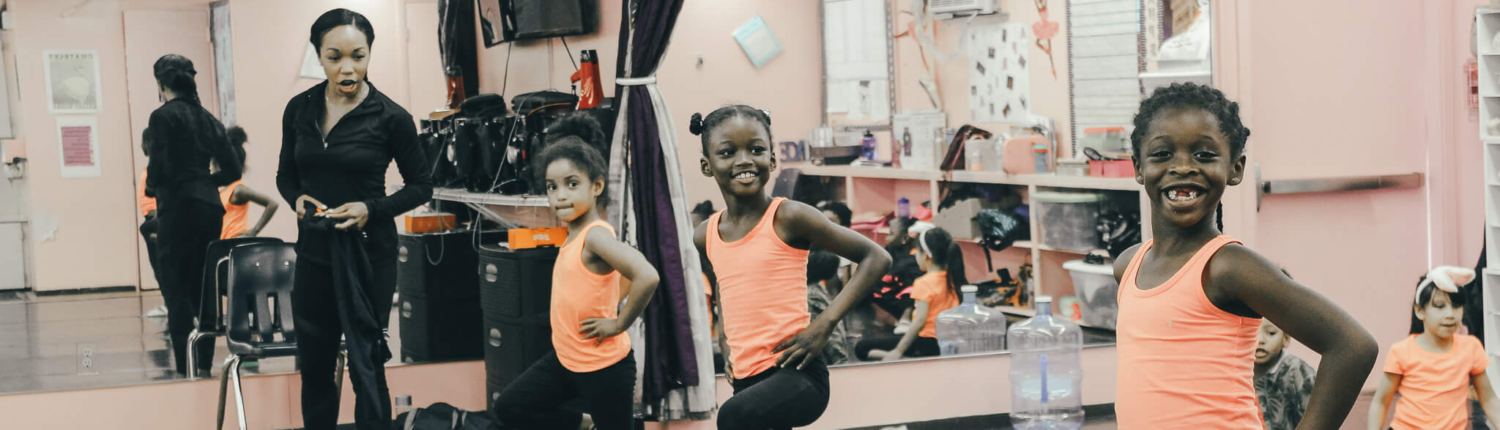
pixel 531 401
pixel 920 347
pixel 185 230
pixel 778 398
pixel 316 310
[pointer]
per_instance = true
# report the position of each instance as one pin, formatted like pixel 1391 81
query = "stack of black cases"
pixel 515 291
pixel 439 290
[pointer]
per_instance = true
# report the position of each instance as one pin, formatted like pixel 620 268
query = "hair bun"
pixel 695 125
pixel 577 124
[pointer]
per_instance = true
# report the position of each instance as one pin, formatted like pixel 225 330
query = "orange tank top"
pixel 579 294
pixel 1183 362
pixel 234 215
pixel 763 284
pixel 147 204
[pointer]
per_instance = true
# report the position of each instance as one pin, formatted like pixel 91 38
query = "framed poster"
pixel 72 81
pixel 78 146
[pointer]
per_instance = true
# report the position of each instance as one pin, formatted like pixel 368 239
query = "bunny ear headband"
pixel 1446 278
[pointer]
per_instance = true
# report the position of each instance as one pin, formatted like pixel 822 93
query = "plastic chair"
pixel 210 311
pixel 260 274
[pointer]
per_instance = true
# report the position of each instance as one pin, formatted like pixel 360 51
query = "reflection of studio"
pixel 829 214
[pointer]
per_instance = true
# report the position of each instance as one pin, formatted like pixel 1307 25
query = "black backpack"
pixel 442 416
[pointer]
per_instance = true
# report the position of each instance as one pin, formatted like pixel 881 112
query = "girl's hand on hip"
pixel 355 214
pixel 803 348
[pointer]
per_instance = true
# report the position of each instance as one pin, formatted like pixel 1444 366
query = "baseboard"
pixel 79 291
pixel 995 421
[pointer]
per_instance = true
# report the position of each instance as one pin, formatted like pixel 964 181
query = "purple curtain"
pixel 670 361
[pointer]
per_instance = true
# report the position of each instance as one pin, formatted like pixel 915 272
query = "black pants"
pixel 149 229
pixel 185 230
pixel 778 398
pixel 531 401
pixel 318 334
pixel 920 347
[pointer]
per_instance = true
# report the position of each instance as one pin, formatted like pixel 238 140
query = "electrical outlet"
pixel 88 363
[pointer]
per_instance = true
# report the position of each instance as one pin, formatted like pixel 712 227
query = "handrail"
pixel 1333 185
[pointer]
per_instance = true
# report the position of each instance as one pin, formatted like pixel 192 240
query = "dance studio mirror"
pixel 82 305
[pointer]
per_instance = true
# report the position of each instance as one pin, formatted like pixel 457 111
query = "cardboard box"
pixel 526 238
pixel 430 222
pixel 959 219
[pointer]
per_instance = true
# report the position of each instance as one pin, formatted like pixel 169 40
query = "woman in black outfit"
pixel 338 139
pixel 184 138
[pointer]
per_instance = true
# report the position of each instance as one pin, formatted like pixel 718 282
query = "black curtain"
pixel 670 362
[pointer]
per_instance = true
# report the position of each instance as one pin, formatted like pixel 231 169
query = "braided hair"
pixel 702 126
pixel 1198 96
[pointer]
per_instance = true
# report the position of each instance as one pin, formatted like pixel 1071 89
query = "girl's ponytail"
pixel 945 252
pixel 954 264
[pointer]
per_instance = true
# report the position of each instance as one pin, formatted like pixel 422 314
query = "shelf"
pixel 1041 180
pixel 1025 312
pixel 463 196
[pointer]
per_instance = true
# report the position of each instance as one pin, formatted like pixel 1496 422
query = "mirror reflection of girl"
pixel 338 138
pixel 1435 368
pixel 1191 298
pixel 236 198
pixel 185 139
pixel 936 291
pixel 592 356
pixel 755 254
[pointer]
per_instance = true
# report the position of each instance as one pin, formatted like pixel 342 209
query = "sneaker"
pixel 157 312
pixel 902 327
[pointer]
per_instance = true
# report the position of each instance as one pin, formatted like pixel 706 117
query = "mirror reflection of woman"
pixel 185 140
pixel 338 139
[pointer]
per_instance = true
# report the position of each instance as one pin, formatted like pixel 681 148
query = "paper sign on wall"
pixel 311 68
pixel 72 81
pixel 78 146
pixel 757 41
pixel 999 75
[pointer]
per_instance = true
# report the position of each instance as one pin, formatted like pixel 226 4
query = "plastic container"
pixel 1095 285
pixel 1068 220
pixel 1073 167
pixel 970 328
pixel 1111 168
pixel 1046 374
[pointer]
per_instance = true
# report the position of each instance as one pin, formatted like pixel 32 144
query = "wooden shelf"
pixel 1026 312
pixel 1026 244
pixel 1041 180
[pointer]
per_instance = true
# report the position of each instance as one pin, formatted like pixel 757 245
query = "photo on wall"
pixel 72 81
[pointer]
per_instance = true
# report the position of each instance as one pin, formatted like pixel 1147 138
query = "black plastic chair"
pixel 260 313
pixel 215 277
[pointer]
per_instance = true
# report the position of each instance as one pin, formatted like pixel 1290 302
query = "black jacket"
pixel 184 138
pixel 350 165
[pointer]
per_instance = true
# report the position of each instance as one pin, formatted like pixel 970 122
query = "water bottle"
pixel 403 405
pixel 970 327
pixel 1046 377
pixel 903 208
pixel 867 146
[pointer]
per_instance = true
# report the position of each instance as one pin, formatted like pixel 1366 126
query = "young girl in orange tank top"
pixel 755 254
pixel 1191 298
pixel 1435 367
pixel 592 358
pixel 236 197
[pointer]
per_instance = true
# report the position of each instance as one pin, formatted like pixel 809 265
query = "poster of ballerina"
pixel 72 81
pixel 999 76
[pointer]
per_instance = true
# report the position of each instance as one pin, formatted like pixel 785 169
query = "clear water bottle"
pixel 1046 376
pixel 970 327
pixel 903 208
pixel 403 405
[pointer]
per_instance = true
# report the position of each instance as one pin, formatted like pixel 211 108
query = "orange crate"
pixel 431 222
pixel 526 238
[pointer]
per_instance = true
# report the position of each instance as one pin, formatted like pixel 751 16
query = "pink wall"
pixel 787 85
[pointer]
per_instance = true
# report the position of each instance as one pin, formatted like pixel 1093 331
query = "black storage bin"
pixel 438 312
pixel 515 292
